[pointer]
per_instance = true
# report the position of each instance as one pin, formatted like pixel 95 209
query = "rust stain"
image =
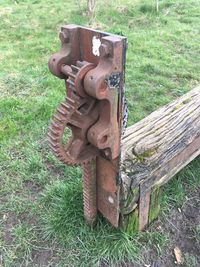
pixel 94 77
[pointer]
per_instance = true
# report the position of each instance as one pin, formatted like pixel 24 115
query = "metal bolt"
pixel 104 50
pixel 64 37
pixel 107 152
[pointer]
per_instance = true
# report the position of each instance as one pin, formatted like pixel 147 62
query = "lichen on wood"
pixel 130 223
pixel 160 145
pixel 156 197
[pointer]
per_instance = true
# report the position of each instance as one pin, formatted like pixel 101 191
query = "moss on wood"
pixel 146 154
pixel 133 222
pixel 132 198
pixel 156 197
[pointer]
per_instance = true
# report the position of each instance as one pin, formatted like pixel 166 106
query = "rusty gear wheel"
pixel 73 114
pixel 79 114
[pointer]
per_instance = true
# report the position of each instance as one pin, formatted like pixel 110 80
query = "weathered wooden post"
pixel 121 176
pixel 153 151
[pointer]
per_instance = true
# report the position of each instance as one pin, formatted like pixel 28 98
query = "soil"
pixel 180 228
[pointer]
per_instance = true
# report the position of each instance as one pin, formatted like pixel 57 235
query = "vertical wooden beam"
pixel 144 204
pixel 133 222
pixel 154 209
pixel 130 222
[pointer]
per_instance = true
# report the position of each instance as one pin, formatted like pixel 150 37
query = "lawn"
pixel 41 213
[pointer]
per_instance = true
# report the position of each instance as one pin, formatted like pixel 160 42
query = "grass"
pixel 41 217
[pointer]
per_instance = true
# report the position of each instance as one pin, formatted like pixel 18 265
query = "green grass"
pixel 41 216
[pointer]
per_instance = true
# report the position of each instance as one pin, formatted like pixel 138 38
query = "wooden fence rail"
pixel 153 151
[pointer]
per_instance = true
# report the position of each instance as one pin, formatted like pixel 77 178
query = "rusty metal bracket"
pixel 92 64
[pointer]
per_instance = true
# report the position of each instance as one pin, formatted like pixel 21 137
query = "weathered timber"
pixel 155 149
pixel 156 197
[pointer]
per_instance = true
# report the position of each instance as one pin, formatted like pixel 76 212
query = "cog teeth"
pixel 66 106
pixel 69 81
pixel 70 102
pixel 68 113
pixel 53 144
pixel 62 111
pixel 53 137
pixel 54 150
pixel 78 114
pixel 72 75
pixel 59 118
pixel 76 119
pixel 89 192
pixel 75 68
pixel 76 123
pixel 55 126
pixel 53 131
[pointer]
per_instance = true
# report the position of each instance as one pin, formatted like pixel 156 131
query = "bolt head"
pixel 107 153
pixel 104 50
pixel 64 36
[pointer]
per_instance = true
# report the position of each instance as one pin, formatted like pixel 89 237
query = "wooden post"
pixel 156 197
pixel 144 204
pixel 153 151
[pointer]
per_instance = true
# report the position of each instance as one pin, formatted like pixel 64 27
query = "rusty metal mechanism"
pixel 92 65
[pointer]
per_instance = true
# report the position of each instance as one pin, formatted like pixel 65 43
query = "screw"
pixel 64 36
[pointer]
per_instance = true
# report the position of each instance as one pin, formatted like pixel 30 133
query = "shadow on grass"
pixel 63 219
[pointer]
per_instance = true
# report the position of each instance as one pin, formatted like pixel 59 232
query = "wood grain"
pixel 160 145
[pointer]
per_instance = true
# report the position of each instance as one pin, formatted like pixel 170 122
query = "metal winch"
pixel 92 65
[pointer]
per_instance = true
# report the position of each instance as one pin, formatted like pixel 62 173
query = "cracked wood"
pixel 160 145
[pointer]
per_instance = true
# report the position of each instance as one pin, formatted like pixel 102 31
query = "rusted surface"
pixel 92 65
pixel 103 83
pixel 74 114
pixel 108 190
pixel 89 192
